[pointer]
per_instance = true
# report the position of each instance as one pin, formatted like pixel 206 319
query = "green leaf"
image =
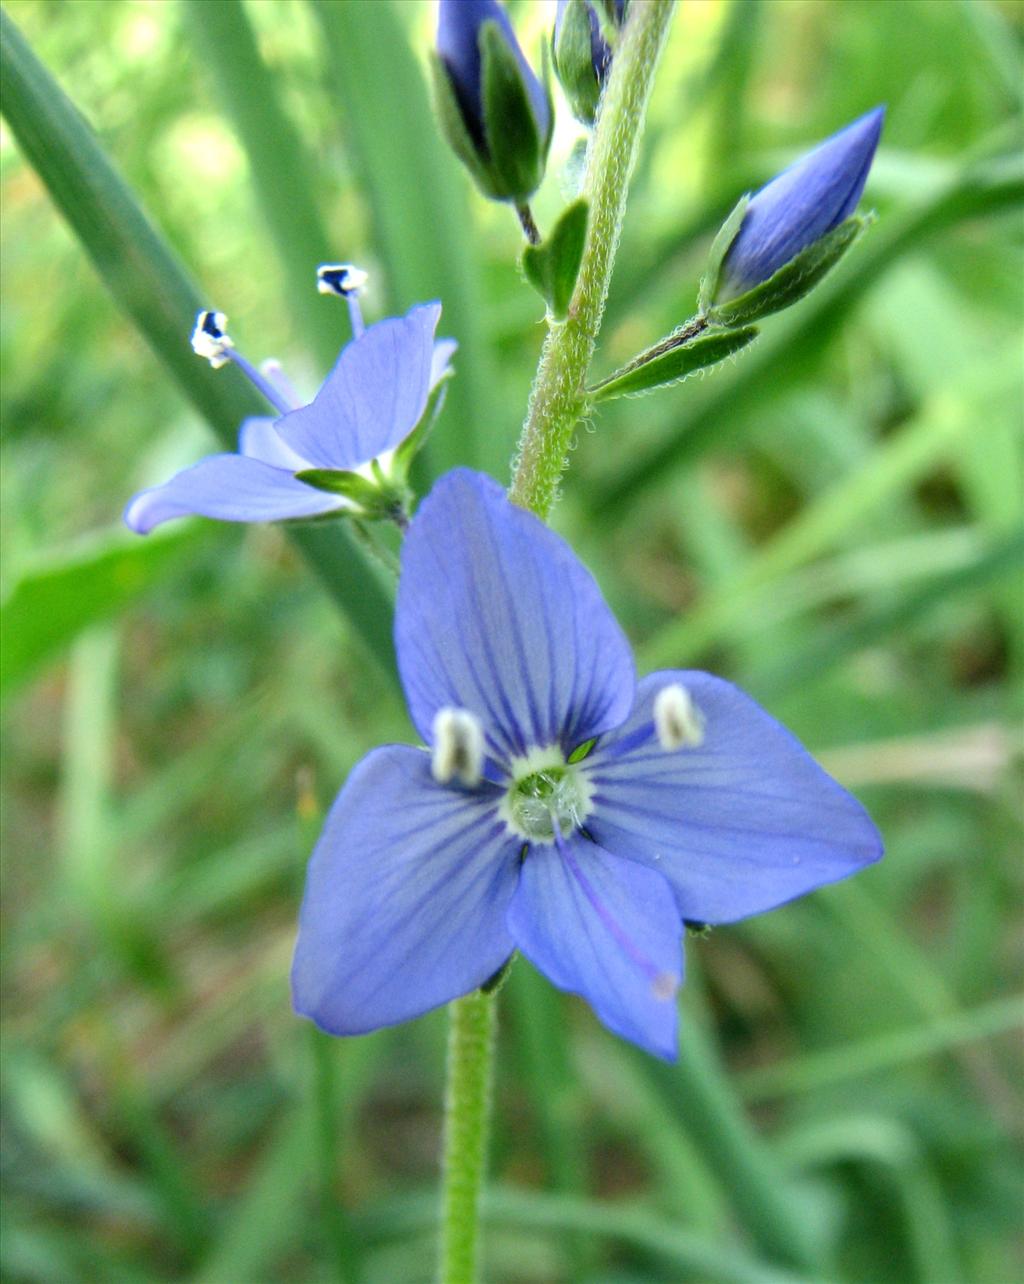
pixel 154 290
pixel 52 603
pixel 664 365
pixel 792 281
pixel 553 266
pixel 724 238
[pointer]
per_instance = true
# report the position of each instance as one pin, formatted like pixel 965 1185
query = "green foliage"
pixel 672 360
pixel 833 522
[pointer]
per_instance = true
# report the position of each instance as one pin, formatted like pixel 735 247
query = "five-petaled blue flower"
pixel 562 808
pixel 801 205
pixel 369 404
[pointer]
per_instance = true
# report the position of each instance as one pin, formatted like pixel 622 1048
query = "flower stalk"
pixel 467 1111
pixel 557 403
pixel 558 399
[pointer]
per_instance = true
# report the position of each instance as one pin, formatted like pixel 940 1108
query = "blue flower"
pixel 562 808
pixel 370 402
pixel 458 46
pixel 801 205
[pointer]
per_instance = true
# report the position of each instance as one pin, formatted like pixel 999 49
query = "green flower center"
pixel 546 791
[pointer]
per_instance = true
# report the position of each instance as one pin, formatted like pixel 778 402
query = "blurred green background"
pixel 834 521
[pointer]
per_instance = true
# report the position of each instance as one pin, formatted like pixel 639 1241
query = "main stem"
pixel 558 400
pixel 470 1047
pixel 557 403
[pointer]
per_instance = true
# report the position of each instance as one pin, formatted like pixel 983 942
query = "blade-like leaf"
pixel 51 604
pixel 673 364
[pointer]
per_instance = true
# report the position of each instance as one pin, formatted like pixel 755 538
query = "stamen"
pixel 273 372
pixel 346 281
pixel 677 720
pixel 458 752
pixel 211 341
pixel 663 984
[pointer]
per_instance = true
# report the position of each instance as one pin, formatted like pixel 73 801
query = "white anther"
pixel 210 340
pixel 677 720
pixel 342 279
pixel 458 752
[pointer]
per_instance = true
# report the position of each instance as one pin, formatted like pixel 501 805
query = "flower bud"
pixel 495 113
pixel 798 208
pixel 582 55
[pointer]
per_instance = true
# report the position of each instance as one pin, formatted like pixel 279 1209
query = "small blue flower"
pixel 370 402
pixel 458 46
pixel 562 808
pixel 801 205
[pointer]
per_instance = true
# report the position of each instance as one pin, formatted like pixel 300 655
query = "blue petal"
pixel 405 898
pixel 801 204
pixel 496 615
pixel 233 488
pixel 440 361
pixel 373 398
pixel 741 824
pixel 607 929
pixel 258 439
pixel 458 37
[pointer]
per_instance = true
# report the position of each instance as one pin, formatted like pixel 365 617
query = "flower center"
pixel 546 791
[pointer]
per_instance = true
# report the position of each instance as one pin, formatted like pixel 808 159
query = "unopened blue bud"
pixel 494 111
pixel 582 55
pixel 800 206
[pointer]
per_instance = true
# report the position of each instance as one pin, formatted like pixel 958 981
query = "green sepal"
pixel 581 751
pixel 379 498
pixel 336 481
pixel 553 266
pixel 517 152
pixel 794 279
pixel 574 62
pixel 453 127
pixel 666 363
pixel 727 233
pixel 606 8
pixel 407 449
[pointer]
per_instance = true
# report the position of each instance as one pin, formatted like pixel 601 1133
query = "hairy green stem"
pixel 558 400
pixel 470 1054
